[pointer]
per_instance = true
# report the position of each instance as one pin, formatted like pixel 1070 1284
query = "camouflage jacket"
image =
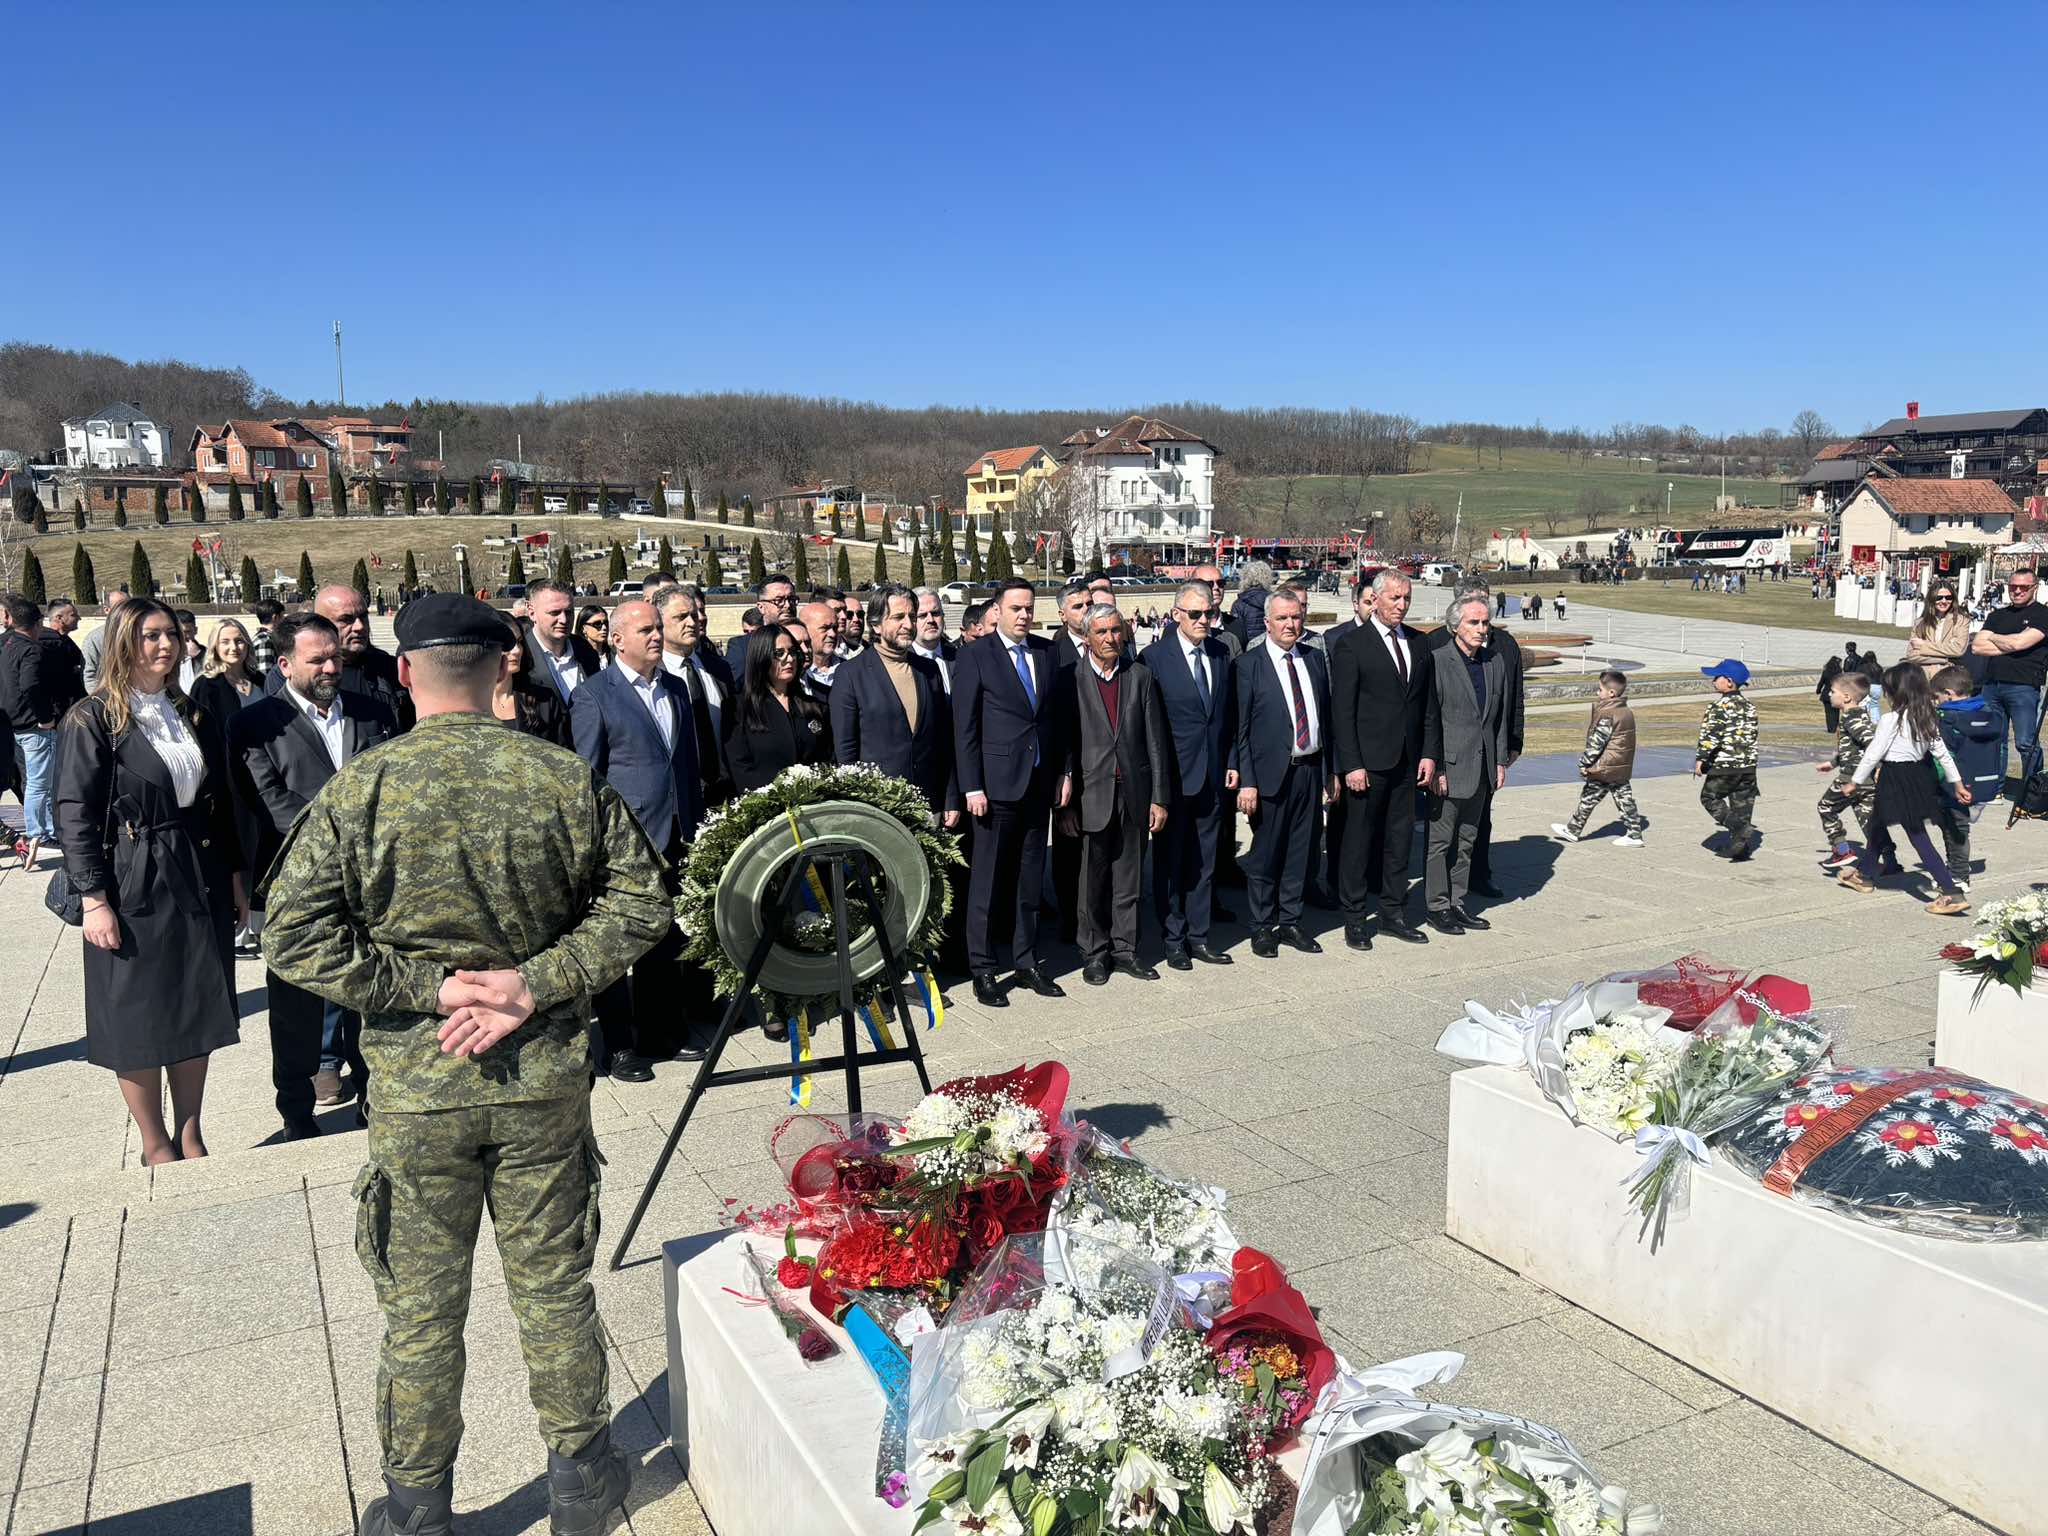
pixel 1852 739
pixel 465 845
pixel 1728 734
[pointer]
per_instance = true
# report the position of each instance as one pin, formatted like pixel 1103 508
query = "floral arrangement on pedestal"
pixel 1461 1484
pixel 2010 941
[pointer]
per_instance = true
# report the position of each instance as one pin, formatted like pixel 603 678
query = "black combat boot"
pixel 585 1488
pixel 407 1511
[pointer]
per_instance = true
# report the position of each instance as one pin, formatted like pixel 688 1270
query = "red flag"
pixel 1912 410
pixel 198 547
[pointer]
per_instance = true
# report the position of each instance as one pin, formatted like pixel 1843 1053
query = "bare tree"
pixel 1811 431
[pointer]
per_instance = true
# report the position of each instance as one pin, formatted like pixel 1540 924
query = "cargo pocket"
pixel 593 1172
pixel 373 1222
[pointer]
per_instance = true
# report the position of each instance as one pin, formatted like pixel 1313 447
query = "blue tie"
pixel 1201 678
pixel 1023 659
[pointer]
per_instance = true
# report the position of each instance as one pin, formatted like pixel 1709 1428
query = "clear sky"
pixel 1570 212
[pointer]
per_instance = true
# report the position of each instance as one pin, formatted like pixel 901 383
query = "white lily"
pixel 1630 1520
pixel 1141 1488
pixel 1222 1503
pixel 1025 1433
pixel 1428 1475
pixel 946 1454
pixel 997 1517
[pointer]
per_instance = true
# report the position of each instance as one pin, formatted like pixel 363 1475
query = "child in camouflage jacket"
pixel 1726 759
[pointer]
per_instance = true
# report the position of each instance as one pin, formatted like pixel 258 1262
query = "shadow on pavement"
pixel 17 1210
pixel 1123 1121
pixel 43 1056
pixel 223 1512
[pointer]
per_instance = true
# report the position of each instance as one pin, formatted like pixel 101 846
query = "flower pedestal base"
pixel 2000 1037
pixel 771 1446
pixel 1900 1348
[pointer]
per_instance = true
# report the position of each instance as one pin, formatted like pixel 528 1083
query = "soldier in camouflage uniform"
pixel 1726 761
pixel 1846 694
pixel 469 888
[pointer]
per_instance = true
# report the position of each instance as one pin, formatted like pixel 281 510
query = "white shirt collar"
pixel 311 710
pixel 1387 631
pixel 1096 668
pixel 646 684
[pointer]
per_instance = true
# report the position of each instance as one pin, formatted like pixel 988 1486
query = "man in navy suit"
pixel 889 706
pixel 1012 708
pixel 1283 714
pixel 775 601
pixel 1196 691
pixel 632 724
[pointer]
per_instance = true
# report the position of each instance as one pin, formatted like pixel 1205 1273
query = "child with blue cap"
pixel 1726 759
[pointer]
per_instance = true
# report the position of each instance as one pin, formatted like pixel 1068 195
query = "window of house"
pixel 306 459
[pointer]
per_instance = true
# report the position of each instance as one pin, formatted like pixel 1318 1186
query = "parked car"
pixel 721 591
pixel 628 588
pixel 554 503
pixel 641 506
pixel 512 589
pixel 958 593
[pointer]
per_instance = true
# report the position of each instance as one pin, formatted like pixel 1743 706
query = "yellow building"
pixel 995 480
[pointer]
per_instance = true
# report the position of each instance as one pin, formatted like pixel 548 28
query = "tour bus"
pixel 1730 548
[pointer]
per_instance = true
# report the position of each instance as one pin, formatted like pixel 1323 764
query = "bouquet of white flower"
pixel 1114 1196
pixel 1615 1069
pixel 2008 943
pixel 1597 1055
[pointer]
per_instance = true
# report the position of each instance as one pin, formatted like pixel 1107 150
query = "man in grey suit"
pixel 1465 730
pixel 1122 777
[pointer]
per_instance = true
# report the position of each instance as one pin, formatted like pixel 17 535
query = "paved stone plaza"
pixel 192 1350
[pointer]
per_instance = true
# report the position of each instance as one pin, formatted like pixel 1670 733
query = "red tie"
pixel 1300 706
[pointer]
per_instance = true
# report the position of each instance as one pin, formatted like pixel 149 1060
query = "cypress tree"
pixel 270 506
pixel 508 496
pixel 973 556
pixel 689 503
pixel 949 563
pixel 337 491
pixel 515 568
pixel 304 497
pixel 32 577
pixel 604 497
pixel 78 513
pixel 140 581
pixel 881 561
pixel 476 496
pixel 665 560
pixel 757 567
pixel 198 503
pixel 376 497
pixel 236 511
pixel 411 573
pixel 120 507
pixel 197 588
pixel 724 512
pixel 1020 549
pixel 1098 565
pixel 747 510
pixel 916 566
pixel 714 573
pixel 160 506
pixel 305 576
pixel 1067 555
pixel 802 565
pixel 85 587
pixel 252 580
pixel 359 578
pixel 443 501
pixel 37 514
pixel 565 566
pixel 837 527
pixel 409 498
pixel 844 571
pixel 615 569
pixel 998 548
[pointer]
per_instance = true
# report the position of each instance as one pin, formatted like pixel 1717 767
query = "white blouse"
pixel 1894 742
pixel 166 732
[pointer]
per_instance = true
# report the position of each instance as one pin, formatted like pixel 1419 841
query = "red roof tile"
pixel 1135 434
pixel 1007 460
pixel 1916 497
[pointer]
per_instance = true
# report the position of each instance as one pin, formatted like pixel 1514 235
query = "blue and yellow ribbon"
pixel 799 1054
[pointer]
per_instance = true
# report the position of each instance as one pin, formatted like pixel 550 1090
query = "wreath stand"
pixel 847 868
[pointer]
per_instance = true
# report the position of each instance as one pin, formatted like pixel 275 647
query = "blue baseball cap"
pixel 1729 668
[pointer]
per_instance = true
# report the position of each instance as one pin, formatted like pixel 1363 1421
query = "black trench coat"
pixel 166 993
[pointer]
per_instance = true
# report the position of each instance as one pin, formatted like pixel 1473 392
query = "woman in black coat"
pixel 145 821
pixel 228 682
pixel 776 723
pixel 520 704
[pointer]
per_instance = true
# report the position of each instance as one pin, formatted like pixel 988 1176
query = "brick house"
pixel 362 446
pixel 261 450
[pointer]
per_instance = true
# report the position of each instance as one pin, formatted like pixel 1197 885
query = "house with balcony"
pixel 362 446
pixel 250 451
pixel 997 480
pixel 120 436
pixel 1144 488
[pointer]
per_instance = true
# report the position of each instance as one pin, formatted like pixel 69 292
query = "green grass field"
pixel 1781 605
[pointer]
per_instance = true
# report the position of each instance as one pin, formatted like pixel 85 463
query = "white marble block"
pixel 772 1447
pixel 1924 1355
pixel 2000 1037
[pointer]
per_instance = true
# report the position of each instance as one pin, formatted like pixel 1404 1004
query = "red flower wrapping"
pixel 1283 1311
pixel 1253 1274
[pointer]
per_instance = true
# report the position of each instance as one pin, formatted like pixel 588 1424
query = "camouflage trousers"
pixel 1730 798
pixel 1845 795
pixel 420 1200
pixel 1590 796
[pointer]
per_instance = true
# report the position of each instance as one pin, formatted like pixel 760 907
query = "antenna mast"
pixel 340 392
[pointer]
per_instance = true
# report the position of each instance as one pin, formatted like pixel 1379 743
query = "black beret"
pixel 450 618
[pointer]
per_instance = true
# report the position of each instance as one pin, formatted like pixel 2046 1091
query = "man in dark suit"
pixel 1379 682
pixel 364 668
pixel 632 724
pixel 556 656
pixel 1122 777
pixel 1011 746
pixel 1194 679
pixel 775 602
pixel 930 640
pixel 1465 749
pixel 281 750
pixel 889 707
pixel 1283 713
pixel 695 662
pixel 1069 649
pixel 1510 649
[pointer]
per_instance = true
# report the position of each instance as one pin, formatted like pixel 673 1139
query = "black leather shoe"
pixel 1400 928
pixel 1357 936
pixel 776 1030
pixel 1264 945
pixel 299 1130
pixel 988 991
pixel 1444 923
pixel 1129 966
pixel 699 1052
pixel 1177 959
pixel 1487 889
pixel 1465 919
pixel 1095 973
pixel 1208 956
pixel 1218 913
pixel 629 1068
pixel 1035 978
pixel 1294 938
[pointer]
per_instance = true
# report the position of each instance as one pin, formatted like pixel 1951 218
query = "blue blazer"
pixel 869 726
pixel 1201 739
pixel 662 786
pixel 996 730
pixel 1265 717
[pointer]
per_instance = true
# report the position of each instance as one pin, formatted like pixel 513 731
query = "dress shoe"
pixel 1467 920
pixel 988 991
pixel 1444 923
pixel 299 1130
pixel 1294 938
pixel 1208 956
pixel 1400 928
pixel 1264 945
pixel 1177 959
pixel 629 1068
pixel 1096 973
pixel 699 1052
pixel 1487 889
pixel 1034 977
pixel 776 1030
pixel 1219 913
pixel 1357 936
pixel 329 1090
pixel 1127 965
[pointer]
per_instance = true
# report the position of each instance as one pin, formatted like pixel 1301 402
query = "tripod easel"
pixel 847 868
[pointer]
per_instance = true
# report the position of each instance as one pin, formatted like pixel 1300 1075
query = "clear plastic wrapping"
pixel 1115 1196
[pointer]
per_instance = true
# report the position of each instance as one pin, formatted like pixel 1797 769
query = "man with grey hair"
pixel 1248 614
pixel 96 642
pixel 1465 753
pixel 1498 639
pixel 1282 755
pixel 1192 675
pixel 928 633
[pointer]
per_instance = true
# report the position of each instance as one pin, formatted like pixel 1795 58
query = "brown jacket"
pixel 1615 761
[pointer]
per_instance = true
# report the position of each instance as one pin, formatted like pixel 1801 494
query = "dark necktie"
pixel 1195 660
pixel 1400 661
pixel 1300 705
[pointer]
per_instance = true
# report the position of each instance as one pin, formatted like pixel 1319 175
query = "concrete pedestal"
pixel 2000 1037
pixel 1925 1356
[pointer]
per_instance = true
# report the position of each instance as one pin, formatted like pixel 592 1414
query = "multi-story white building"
pixel 119 437
pixel 1141 484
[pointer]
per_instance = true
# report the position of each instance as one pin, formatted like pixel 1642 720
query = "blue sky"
pixel 1573 213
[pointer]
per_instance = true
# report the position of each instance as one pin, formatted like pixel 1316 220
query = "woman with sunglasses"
pixel 1942 634
pixel 593 625
pixel 779 723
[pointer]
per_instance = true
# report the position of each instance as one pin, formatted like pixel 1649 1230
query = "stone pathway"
pixel 192 1349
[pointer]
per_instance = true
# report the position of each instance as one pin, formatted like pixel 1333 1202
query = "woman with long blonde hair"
pixel 145 819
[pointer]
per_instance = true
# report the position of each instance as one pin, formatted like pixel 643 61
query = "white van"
pixel 1441 573
pixel 628 588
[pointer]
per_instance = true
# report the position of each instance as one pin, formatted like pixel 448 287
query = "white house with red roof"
pixel 1142 484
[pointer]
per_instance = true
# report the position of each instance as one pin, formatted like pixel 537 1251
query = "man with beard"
pixel 282 750
pixel 929 635
pixel 364 669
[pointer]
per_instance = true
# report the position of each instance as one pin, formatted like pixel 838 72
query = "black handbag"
pixel 2032 804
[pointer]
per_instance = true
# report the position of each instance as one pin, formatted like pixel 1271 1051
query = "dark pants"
pixel 1482 846
pixel 1379 832
pixel 1333 846
pixel 1832 715
pixel 295 1024
pixel 341 1038
pixel 1276 869
pixel 1002 885
pixel 1184 867
pixel 1066 881
pixel 643 1010
pixel 1112 871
